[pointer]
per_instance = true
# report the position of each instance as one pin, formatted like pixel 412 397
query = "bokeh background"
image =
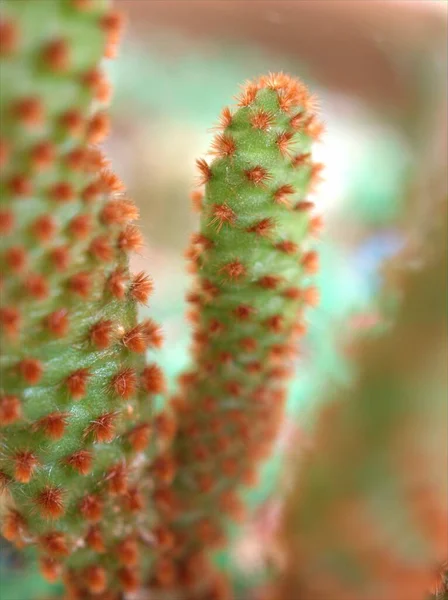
pixel 379 68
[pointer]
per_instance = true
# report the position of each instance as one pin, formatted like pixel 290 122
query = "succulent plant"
pixel 121 499
pixel 75 411
pixel 253 260
pixel 76 392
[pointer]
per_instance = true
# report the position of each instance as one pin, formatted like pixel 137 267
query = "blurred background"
pixel 379 68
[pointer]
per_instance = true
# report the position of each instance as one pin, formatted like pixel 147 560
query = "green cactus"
pixel 116 499
pixel 367 516
pixel 75 410
pixel 253 257
pixel 75 404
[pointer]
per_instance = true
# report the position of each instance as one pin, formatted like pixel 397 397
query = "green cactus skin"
pixel 367 514
pixel 253 260
pixel 75 399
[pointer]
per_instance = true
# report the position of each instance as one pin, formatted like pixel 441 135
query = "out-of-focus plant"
pixel 367 515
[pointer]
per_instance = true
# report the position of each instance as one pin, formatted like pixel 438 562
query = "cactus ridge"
pixel 253 260
pixel 75 399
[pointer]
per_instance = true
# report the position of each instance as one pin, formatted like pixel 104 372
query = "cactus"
pixel 75 404
pixel 253 258
pixel 116 499
pixel 367 515
pixel 75 413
